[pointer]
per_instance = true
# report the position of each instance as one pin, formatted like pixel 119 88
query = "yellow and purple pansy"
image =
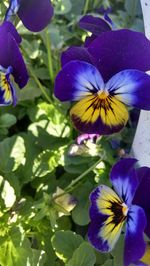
pixel 101 107
pixel 103 78
pixel 111 208
pixel 34 14
pixel 12 65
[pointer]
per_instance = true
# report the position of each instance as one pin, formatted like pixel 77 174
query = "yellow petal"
pixel 110 110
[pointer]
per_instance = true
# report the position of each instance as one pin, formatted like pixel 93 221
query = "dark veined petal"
pixel 107 213
pixel 118 50
pixel 124 179
pixel 10 55
pixel 77 80
pixel 142 195
pixel 7 91
pixel 93 24
pixel 134 237
pixel 131 87
pixel 76 53
pixel 35 14
pixel 95 116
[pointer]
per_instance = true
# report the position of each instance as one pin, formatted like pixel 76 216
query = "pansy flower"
pixel 104 78
pixel 34 14
pixel 112 208
pixel 11 64
pixel 101 107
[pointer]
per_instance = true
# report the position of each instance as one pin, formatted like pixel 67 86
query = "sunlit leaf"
pixel 65 243
pixel 12 153
pixel 83 256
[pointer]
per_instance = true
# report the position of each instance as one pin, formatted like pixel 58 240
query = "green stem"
pixel 40 85
pixel 86 7
pixel 49 52
pixel 76 181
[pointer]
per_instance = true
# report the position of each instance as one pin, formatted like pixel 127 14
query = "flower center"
pixel 124 209
pixel 102 95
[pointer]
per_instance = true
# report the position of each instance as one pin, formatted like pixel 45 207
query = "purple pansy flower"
pixel 34 14
pixel 105 77
pixel 101 107
pixel 11 64
pixel 111 208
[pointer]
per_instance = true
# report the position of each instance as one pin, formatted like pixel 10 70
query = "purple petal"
pixel 118 50
pixel 16 61
pixel 124 179
pixel 131 87
pixel 108 19
pixel 142 195
pixel 77 80
pixel 134 237
pixel 89 40
pixel 76 53
pixel 8 27
pixel 139 263
pixel 106 225
pixel 83 137
pixel 35 14
pixel 10 56
pixel 95 25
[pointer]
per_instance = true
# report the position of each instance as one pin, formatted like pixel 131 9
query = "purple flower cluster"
pixel 104 76
pixel 35 16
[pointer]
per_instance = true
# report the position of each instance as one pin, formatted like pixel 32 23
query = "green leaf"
pixel 30 92
pixel 38 257
pixel 133 7
pixel 77 7
pixel 12 153
pixel 65 243
pixel 15 250
pixel 80 213
pixel 118 251
pixel 101 258
pixel 83 256
pixel 7 193
pixel 62 7
pixel 64 223
pixel 110 263
pixel 46 162
pixel 7 120
pixel 50 119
